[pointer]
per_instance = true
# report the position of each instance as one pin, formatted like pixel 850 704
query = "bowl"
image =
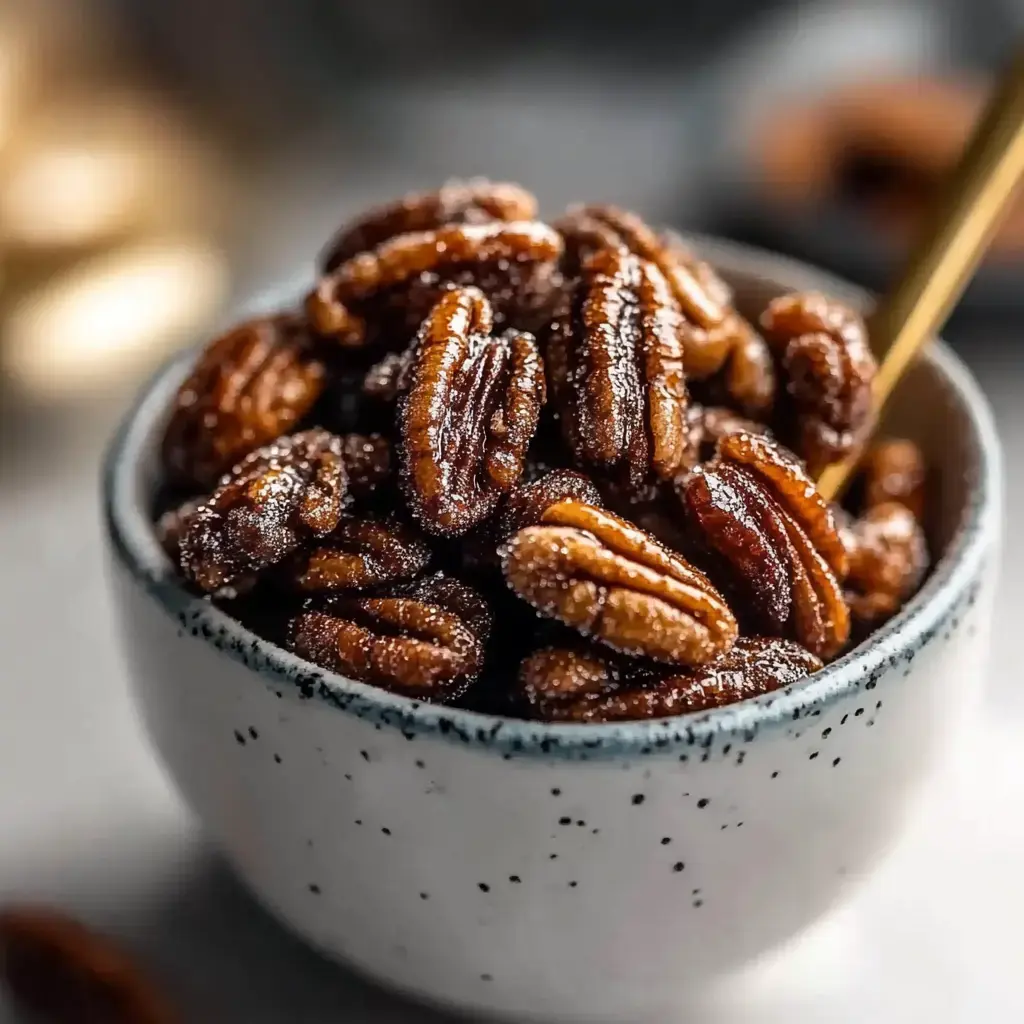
pixel 562 872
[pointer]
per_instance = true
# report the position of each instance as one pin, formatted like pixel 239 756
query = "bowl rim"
pixel 134 544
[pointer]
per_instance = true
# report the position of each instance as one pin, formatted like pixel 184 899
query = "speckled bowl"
pixel 570 871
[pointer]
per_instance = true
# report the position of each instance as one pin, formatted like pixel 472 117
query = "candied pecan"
pixel 527 504
pixel 895 471
pixel 606 578
pixel 425 640
pixel 402 278
pixel 707 424
pixel 888 559
pixel 388 379
pixel 823 350
pixel 367 460
pixel 615 359
pixel 170 527
pixel 272 501
pixel 57 970
pixel 715 336
pixel 249 386
pixel 756 509
pixel 464 202
pixel 564 684
pixel 360 553
pixel 470 412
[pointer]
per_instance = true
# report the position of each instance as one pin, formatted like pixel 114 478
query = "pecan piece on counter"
pixel 716 338
pixel 475 201
pixel 828 369
pixel 609 580
pixel 426 640
pixel 252 384
pixel 761 518
pixel 398 282
pixel 270 503
pixel 615 360
pixel 564 684
pixel 59 971
pixel 359 553
pixel 469 415
pixel 888 559
pixel 894 470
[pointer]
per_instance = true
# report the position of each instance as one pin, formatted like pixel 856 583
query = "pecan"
pixel 360 553
pixel 895 471
pixel 367 460
pixel 715 336
pixel 527 504
pixel 888 559
pixel 57 970
pixel 615 359
pixel 759 514
pixel 271 502
pixel 401 279
pixel 170 527
pixel 249 386
pixel 606 578
pixel 457 202
pixel 425 641
pixel 388 379
pixel 470 412
pixel 828 369
pixel 564 684
pixel 707 424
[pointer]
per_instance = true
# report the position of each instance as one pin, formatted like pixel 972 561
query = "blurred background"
pixel 163 161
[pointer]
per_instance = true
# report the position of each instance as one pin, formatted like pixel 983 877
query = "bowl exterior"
pixel 606 885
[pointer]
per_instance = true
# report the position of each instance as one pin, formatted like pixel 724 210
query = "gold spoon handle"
pixel 944 260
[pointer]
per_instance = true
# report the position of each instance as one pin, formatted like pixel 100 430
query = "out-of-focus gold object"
pixel 978 195
pixel 112 316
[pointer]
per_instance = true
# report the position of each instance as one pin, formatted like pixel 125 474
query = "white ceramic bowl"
pixel 560 871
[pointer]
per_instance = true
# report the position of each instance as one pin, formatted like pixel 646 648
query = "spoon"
pixel 954 241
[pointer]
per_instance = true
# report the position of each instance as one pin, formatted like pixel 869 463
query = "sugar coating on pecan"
pixel 270 503
pixel 469 414
pixel 565 684
pixel 761 517
pixel 827 369
pixel 895 470
pixel 888 559
pixel 475 201
pixel 715 335
pixel 606 578
pixel 360 553
pixel 425 640
pixel 527 504
pixel 56 969
pixel 615 360
pixel 249 386
pixel 411 270
pixel 368 462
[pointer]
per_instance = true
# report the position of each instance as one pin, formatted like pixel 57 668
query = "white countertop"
pixel 88 822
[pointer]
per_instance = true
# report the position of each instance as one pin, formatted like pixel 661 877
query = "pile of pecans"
pixel 546 471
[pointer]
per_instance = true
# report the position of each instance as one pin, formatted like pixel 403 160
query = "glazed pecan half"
pixel 368 462
pixel 604 577
pixel 527 504
pixel 828 369
pixel 469 415
pixel 57 970
pixel 895 470
pixel 888 559
pixel 270 503
pixel 761 517
pixel 396 284
pixel 360 553
pixel 249 386
pixel 426 640
pixel 615 360
pixel 476 201
pixel 716 338
pixel 586 684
